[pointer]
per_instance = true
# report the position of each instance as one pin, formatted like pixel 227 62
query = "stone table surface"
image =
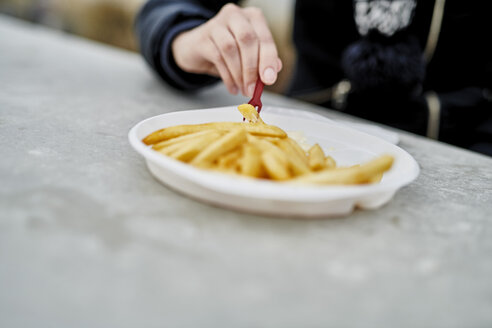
pixel 89 239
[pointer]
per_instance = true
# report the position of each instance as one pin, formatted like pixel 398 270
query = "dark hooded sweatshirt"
pixel 421 66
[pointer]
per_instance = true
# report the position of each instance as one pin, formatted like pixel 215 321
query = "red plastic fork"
pixel 256 99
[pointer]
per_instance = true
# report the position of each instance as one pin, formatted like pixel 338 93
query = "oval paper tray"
pixel 346 145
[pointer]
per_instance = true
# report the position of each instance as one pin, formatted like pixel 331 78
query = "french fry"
pixel 275 167
pixel 230 161
pixel 191 148
pixel 259 150
pixel 250 113
pixel 376 178
pixel 172 148
pixel 269 147
pixel 330 162
pixel 250 163
pixel 274 159
pixel 298 149
pixel 179 130
pixel 265 130
pixel 169 142
pixel 172 132
pixel 298 165
pixel 316 158
pixel 221 146
pixel 350 175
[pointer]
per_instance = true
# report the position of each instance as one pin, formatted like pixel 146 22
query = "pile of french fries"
pixel 258 150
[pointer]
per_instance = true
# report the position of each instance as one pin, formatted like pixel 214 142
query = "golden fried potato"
pixel 169 142
pixel 250 113
pixel 219 147
pixel 250 163
pixel 297 162
pixel 193 147
pixel 316 158
pixel 349 175
pixel 259 150
pixel 180 130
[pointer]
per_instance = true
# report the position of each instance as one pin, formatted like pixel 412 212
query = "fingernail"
pixel 234 90
pixel 251 89
pixel 269 75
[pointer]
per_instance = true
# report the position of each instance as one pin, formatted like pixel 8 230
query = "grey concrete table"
pixel 89 239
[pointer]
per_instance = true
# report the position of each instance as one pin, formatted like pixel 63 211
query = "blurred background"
pixel 111 22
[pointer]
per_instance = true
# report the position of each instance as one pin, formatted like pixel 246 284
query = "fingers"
pixel 255 48
pixel 236 44
pixel 226 44
pixel 248 44
pixel 195 51
pixel 219 66
pixel 269 64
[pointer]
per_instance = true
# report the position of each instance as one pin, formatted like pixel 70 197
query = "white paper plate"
pixel 346 145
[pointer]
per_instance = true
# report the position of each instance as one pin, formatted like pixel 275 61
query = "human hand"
pixel 235 45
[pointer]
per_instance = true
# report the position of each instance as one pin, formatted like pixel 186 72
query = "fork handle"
pixel 258 91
